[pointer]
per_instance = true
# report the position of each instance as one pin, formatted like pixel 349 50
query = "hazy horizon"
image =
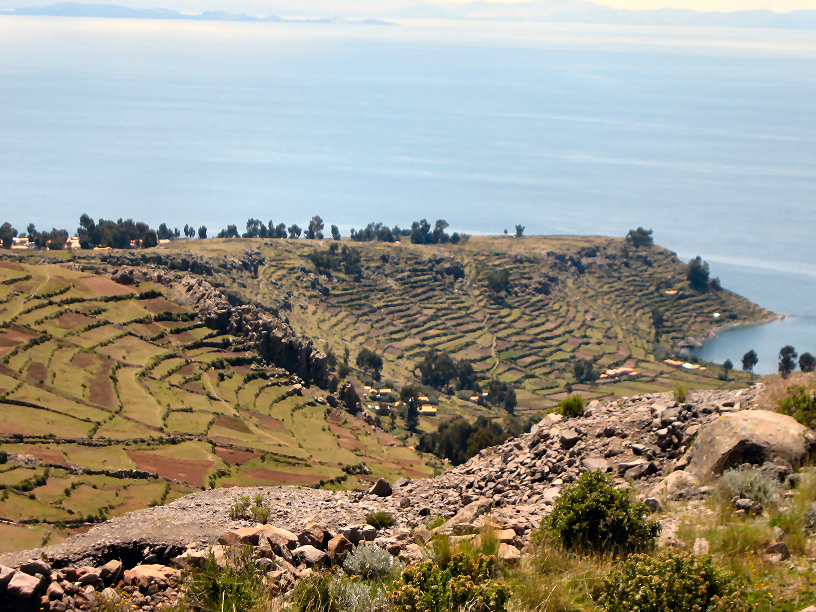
pixel 377 7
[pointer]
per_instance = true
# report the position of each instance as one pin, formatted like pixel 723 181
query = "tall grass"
pixel 797 515
pixel 553 579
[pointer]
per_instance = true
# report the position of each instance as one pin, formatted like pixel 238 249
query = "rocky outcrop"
pixel 247 262
pixel 255 329
pixel 752 437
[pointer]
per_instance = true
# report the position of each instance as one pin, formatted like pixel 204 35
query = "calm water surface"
pixel 707 136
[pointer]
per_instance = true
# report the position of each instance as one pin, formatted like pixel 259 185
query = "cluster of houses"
pixel 382 394
pixel 684 365
pixel 618 373
pixel 22 243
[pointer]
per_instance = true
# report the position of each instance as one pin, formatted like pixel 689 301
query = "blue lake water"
pixel 766 340
pixel 708 136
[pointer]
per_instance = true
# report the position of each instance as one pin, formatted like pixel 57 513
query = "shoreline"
pixel 696 342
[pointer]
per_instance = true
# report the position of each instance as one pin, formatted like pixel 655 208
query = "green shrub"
pixel 241 509
pixel 260 514
pixel 357 596
pixel 322 592
pixel 465 583
pixel 436 521
pixel 238 510
pixel 315 594
pixel 381 520
pixel 571 406
pixel 236 586
pixel 669 582
pixel 748 484
pixel 679 393
pixel 801 405
pixel 371 562
pixel 592 516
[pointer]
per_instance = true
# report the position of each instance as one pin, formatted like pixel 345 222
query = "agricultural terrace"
pixel 565 298
pixel 115 397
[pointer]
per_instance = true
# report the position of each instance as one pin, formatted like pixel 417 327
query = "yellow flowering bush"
pixel 466 582
pixel 669 582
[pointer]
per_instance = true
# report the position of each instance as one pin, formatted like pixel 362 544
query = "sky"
pixel 377 6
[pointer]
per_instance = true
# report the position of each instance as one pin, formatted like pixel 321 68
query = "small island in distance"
pixel 114 11
pixel 540 11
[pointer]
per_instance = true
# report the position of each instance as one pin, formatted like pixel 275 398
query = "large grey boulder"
pixel 750 436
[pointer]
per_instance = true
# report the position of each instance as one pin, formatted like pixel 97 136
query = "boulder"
pixel 569 438
pixel 338 548
pixel 24 586
pixel 675 484
pixel 701 547
pixel 549 495
pixel 111 572
pixel 368 532
pixel 248 536
pixel 750 436
pixel 353 533
pixel 36 566
pixel 550 419
pixel 468 514
pixel 315 535
pixel 412 553
pixel 5 575
pixel 743 504
pixel 54 591
pixel 279 536
pixel 506 536
pixel 653 504
pixel 509 553
pixel 614 448
pixel 595 464
pixel 109 594
pixel 310 555
pixel 381 488
pixel 637 469
pixel 190 558
pixel 90 576
pixel 142 576
pixel 778 548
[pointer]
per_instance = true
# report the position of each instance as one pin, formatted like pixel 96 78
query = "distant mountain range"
pixel 76 9
pixel 583 11
pixel 549 11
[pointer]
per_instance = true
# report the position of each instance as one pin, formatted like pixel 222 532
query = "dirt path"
pixel 44 283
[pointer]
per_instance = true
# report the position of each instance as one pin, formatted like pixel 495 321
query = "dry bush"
pixel 776 389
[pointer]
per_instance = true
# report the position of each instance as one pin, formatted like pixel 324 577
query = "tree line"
pixel 786 362
pixel 124 234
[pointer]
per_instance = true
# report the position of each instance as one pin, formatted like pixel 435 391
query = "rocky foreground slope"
pixel 638 439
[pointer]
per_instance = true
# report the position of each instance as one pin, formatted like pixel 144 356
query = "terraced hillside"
pixel 566 298
pixel 113 397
